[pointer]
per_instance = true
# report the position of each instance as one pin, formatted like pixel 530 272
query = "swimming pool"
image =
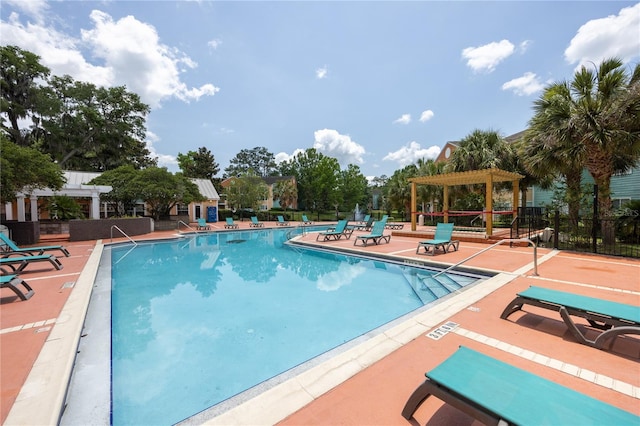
pixel 196 321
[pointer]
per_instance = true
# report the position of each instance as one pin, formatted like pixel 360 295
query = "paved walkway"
pixel 368 384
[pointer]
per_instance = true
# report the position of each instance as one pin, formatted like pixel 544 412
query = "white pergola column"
pixel 21 211
pixel 8 211
pixel 33 200
pixel 95 206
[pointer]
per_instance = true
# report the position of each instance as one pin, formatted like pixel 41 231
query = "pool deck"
pixel 369 383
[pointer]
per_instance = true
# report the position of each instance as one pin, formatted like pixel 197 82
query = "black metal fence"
pixel 617 235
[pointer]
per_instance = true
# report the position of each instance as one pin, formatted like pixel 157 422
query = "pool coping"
pixel 47 384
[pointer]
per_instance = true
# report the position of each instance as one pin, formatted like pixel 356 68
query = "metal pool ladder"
pixel 507 240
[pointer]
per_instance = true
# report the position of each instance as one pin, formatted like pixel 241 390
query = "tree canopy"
pixel 23 169
pixel 124 195
pixel 352 188
pixel 19 70
pixel 592 122
pixel 318 179
pixel 246 191
pixel 198 164
pixel 82 127
pixel 286 192
pixel 162 190
pixel 258 159
pixel 156 186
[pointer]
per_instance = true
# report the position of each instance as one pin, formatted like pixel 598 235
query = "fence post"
pixel 556 229
pixel 594 222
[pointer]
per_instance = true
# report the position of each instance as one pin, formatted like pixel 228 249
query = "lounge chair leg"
pixel 17 291
pixel 612 333
pixel 573 328
pixel 418 396
pixel 515 305
pixel 429 387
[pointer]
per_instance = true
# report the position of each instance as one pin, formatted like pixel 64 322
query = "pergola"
pixel 486 176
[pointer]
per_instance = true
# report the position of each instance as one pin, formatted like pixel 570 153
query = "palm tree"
pixel 432 194
pixel 601 130
pixel 482 149
pixel 286 192
pixel 548 148
pixel 399 189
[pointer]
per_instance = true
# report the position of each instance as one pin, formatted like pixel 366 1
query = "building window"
pixel 617 203
pixel 624 172
pixel 183 209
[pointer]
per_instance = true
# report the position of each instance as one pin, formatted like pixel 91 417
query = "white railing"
pixel 508 240
pixel 123 233
pixel 187 225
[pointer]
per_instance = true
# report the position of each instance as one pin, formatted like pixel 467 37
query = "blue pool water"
pixel 196 321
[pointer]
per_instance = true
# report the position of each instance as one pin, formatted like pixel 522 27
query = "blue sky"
pixel 379 84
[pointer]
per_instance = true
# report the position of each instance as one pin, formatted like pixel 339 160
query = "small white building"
pixel 88 196
pixel 75 187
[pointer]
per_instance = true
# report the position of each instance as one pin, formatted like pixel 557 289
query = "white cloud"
pixel 322 73
pixel 526 85
pixel 34 8
pixel 283 156
pixel 613 36
pixel 333 144
pixel 486 58
pixel 57 51
pixel 524 46
pixel 130 51
pixel 405 119
pixel 345 275
pixel 426 115
pixel 411 153
pixel 214 44
pixel 133 50
pixel 164 160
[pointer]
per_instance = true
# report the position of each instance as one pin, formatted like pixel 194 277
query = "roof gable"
pixel 206 188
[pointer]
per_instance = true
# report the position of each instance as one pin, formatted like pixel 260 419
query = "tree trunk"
pixel 601 169
pixel 572 181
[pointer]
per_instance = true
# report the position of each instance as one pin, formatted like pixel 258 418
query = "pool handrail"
pixel 187 225
pixel 123 233
pixel 506 240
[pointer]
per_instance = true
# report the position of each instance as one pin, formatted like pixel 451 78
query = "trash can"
pixel 421 220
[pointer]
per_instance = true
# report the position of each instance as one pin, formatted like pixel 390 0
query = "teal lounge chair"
pixel 281 221
pixel 364 226
pixel 611 318
pixel 18 264
pixel 230 224
pixel 341 230
pixel 394 225
pixel 494 392
pixel 305 220
pixel 202 225
pixel 364 220
pixel 441 240
pixel 12 282
pixel 376 236
pixel 12 248
pixel 254 222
